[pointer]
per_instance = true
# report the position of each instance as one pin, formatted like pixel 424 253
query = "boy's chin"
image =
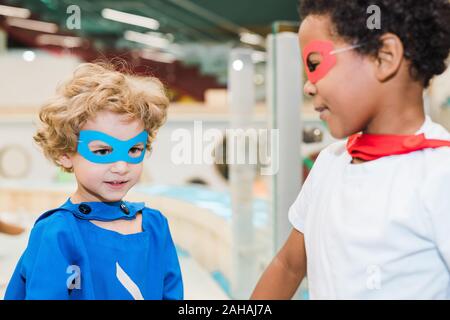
pixel 340 133
pixel 113 196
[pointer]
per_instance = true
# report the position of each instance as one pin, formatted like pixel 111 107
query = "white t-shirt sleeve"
pixel 299 209
pixel 436 199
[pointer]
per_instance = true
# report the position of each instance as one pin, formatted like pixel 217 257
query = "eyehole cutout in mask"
pixel 323 49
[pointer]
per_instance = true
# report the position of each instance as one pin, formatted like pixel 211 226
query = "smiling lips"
pixel 323 112
pixel 321 109
pixel 116 183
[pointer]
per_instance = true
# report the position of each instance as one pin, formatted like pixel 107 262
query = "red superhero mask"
pixel 327 53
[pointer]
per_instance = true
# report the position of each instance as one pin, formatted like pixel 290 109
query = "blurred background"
pixel 227 65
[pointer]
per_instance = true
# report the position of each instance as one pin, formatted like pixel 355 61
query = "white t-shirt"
pixel 380 229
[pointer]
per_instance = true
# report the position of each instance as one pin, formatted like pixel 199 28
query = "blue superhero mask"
pixel 117 150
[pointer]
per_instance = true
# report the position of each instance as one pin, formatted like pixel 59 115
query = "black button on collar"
pixel 84 208
pixel 124 208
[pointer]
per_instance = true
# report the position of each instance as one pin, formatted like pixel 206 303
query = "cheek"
pixel 349 87
pixel 351 97
pixel 137 169
pixel 85 170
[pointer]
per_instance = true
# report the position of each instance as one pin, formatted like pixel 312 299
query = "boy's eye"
pixel 313 61
pixel 312 66
pixel 136 151
pixel 102 152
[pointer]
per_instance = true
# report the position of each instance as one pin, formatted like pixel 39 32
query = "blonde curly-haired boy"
pixel 99 126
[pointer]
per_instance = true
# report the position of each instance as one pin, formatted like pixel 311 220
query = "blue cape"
pixel 69 257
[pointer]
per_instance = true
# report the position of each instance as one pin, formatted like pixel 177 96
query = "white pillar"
pixel 242 99
pixel 284 97
pixel 3 41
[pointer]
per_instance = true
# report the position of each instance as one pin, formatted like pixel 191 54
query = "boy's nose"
pixel 119 167
pixel 310 89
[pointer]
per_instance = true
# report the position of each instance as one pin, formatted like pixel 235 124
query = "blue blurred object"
pixel 218 202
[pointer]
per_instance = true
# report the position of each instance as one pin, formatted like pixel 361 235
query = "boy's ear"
pixel 389 58
pixel 66 161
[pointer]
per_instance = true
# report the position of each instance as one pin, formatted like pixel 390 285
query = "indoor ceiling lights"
pixel 129 18
pixel 251 38
pixel 59 40
pixel 14 12
pixel 32 25
pixel 147 39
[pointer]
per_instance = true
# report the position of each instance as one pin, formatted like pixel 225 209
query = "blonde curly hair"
pixel 97 87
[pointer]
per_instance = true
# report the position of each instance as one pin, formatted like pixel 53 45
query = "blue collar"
pixel 104 211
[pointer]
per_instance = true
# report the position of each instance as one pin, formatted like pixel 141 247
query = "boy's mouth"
pixel 323 110
pixel 116 183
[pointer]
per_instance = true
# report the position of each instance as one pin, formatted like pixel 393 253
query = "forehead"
pixel 120 126
pixel 315 27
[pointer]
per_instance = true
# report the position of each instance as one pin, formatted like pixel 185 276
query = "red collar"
pixel 373 146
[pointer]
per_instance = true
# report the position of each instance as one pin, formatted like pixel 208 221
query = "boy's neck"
pixel 79 196
pixel 400 111
pixel 84 196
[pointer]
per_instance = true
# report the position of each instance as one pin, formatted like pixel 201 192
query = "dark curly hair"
pixel 422 25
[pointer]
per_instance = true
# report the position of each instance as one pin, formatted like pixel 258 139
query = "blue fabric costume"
pixel 68 257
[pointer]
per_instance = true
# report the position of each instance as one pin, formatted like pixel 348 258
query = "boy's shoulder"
pixel 153 218
pixel 336 148
pixel 154 214
pixel 435 130
pixel 331 152
pixel 55 222
pixel 437 163
pixel 57 218
pixel 437 159
pixel 53 225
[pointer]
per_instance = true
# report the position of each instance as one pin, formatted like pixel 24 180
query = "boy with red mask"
pixel 372 219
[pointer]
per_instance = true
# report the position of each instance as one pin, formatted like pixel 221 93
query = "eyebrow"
pixel 99 145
